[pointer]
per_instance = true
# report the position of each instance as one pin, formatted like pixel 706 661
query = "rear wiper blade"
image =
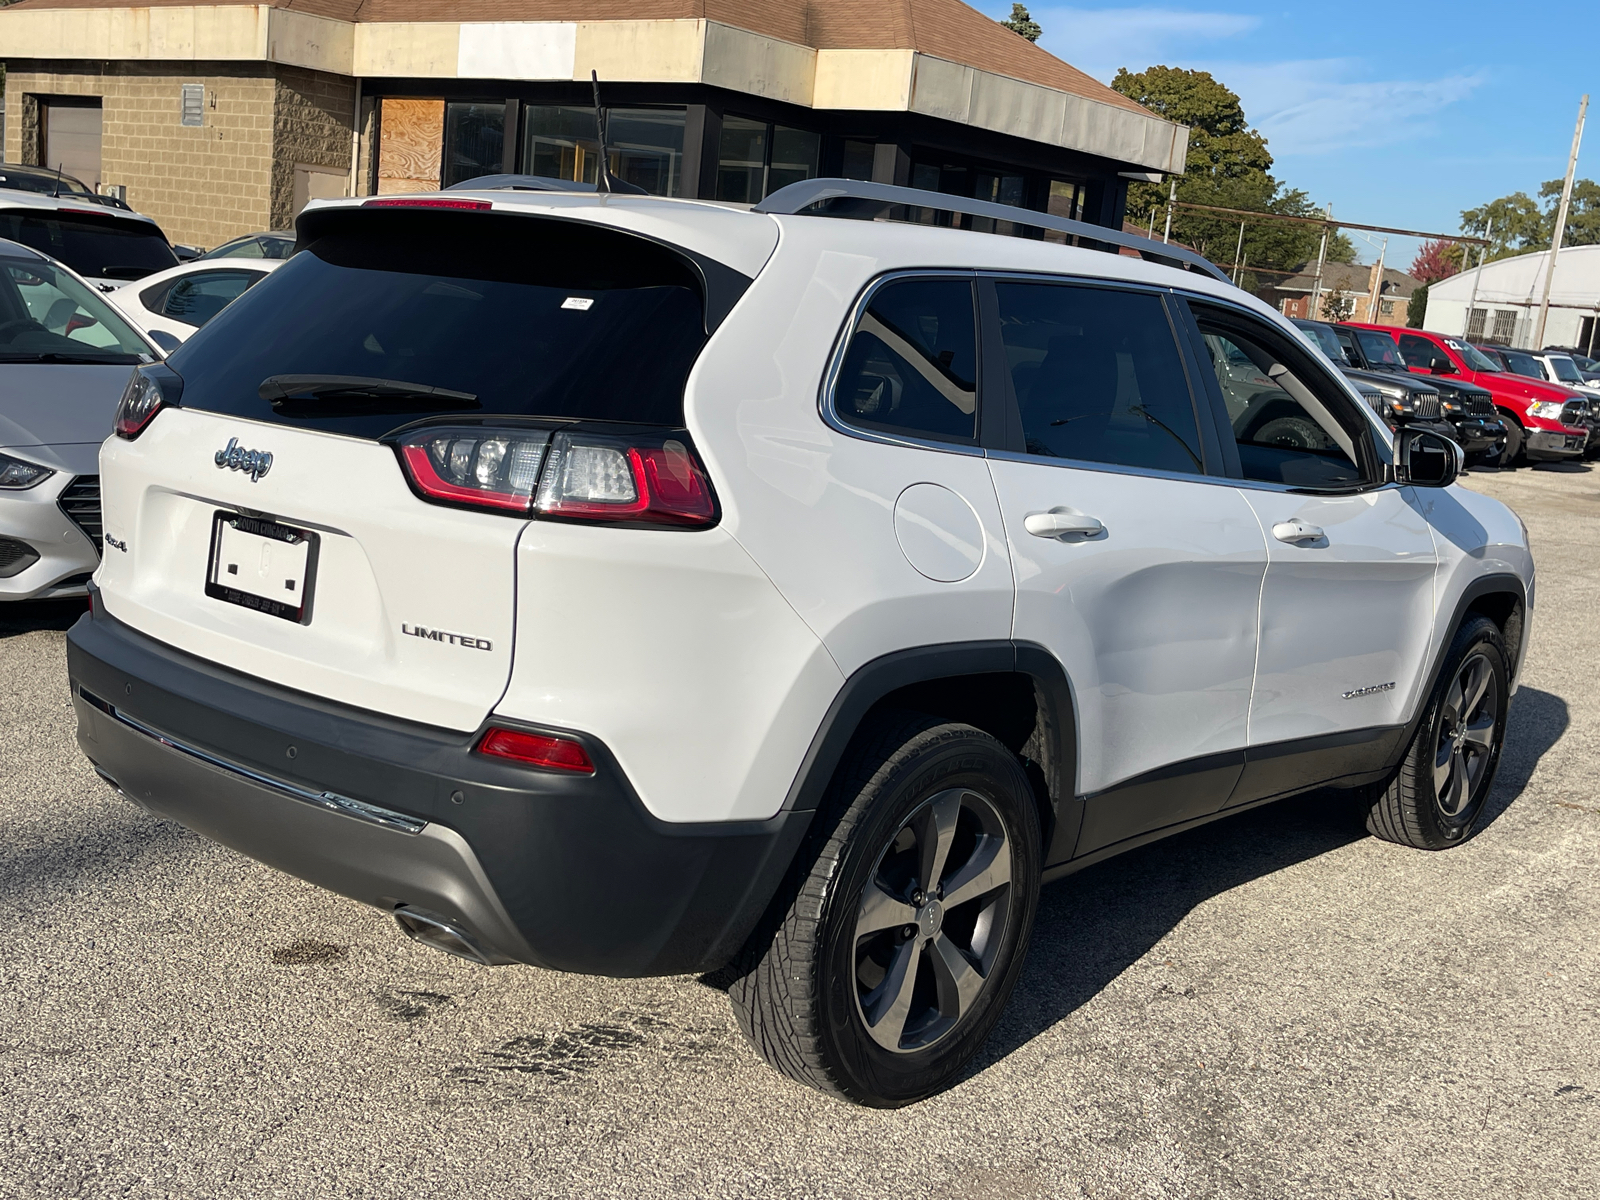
pixel 346 395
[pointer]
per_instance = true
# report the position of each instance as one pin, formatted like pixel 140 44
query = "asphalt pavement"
pixel 1276 1005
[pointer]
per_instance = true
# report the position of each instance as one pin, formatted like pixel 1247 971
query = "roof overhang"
pixel 649 51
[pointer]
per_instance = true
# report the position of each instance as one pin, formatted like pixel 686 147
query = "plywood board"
pixel 410 145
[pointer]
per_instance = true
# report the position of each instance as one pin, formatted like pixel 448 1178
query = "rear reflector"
pixel 425 202
pixel 537 750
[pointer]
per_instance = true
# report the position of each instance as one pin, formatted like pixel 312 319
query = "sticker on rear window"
pixel 581 303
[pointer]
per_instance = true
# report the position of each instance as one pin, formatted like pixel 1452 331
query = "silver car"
pixel 65 358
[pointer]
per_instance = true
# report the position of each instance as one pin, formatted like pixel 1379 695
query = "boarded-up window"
pixel 192 105
pixel 410 145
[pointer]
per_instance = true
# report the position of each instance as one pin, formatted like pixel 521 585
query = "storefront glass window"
pixel 742 160
pixel 858 160
pixel 560 142
pixel 474 140
pixel 794 157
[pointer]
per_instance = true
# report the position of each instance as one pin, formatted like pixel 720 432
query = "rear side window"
pixel 1098 376
pixel 912 363
pixel 513 315
pixel 94 249
pixel 196 298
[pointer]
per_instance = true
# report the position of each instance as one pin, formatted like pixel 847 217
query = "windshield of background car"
pixel 94 249
pixel 1475 359
pixel 1380 349
pixel 1566 370
pixel 525 316
pixel 48 316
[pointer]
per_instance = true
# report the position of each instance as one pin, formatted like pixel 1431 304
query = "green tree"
pixel 1417 307
pixel 1021 21
pixel 1228 166
pixel 1523 225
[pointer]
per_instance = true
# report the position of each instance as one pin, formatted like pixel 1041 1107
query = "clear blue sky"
pixel 1398 113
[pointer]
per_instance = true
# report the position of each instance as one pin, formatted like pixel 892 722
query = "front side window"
pixel 197 298
pixel 912 363
pixel 48 316
pixel 1286 431
pixel 1098 377
pixel 1422 354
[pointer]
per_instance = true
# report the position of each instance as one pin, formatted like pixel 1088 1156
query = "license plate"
pixel 262 565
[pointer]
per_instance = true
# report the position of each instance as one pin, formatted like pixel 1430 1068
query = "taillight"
pixel 425 202
pixel 647 479
pixel 150 390
pixel 537 750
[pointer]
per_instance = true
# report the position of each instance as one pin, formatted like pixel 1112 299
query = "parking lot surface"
pixel 1275 1005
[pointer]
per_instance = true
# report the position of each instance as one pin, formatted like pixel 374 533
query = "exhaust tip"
pixel 440 934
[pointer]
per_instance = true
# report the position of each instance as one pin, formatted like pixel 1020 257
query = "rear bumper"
pixel 561 871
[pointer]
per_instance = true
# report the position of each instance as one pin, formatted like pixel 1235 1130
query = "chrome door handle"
pixel 1296 531
pixel 1055 524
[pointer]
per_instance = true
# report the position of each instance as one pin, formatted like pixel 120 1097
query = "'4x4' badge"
pixel 235 457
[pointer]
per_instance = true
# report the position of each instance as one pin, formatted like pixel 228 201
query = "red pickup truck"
pixel 1535 413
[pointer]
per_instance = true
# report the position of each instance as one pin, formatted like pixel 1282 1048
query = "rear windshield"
pixel 514 315
pixel 94 249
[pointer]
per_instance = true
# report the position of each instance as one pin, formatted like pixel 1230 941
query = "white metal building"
pixel 1500 301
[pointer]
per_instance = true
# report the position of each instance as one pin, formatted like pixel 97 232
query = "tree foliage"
pixel 1417 308
pixel 1228 166
pixel 1021 21
pixel 1437 260
pixel 1522 225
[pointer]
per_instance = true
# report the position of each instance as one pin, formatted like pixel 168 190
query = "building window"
pixel 1065 200
pixel 1386 307
pixel 192 104
pixel 859 159
pixel 979 184
pixel 474 141
pixel 1505 325
pixel 755 159
pixel 561 142
pixel 1475 320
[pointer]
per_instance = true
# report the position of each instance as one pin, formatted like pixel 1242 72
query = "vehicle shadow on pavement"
pixel 1095 925
pixel 29 616
pixel 87 854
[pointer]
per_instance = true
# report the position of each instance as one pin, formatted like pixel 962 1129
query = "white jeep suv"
pixel 637 586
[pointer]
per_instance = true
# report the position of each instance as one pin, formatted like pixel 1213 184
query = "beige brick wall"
pixel 234 174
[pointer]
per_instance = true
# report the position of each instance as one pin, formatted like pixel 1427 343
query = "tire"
pixel 1512 455
pixel 1295 433
pixel 818 990
pixel 1432 806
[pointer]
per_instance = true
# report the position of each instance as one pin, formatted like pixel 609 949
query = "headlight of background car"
pixel 15 474
pixel 1550 410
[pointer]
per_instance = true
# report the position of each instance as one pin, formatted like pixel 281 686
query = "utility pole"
pixel 1377 286
pixel 1483 252
pixel 1561 225
pixel 1322 259
pixel 1172 201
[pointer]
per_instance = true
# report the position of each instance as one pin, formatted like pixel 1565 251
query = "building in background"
pixel 224 119
pixel 1347 294
pixel 1500 302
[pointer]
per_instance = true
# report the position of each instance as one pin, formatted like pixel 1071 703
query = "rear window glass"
pixel 522 316
pixel 95 250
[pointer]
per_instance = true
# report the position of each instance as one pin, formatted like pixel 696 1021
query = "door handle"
pixel 1055 524
pixel 1296 531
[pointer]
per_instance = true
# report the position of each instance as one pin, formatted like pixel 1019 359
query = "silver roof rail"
pixel 519 183
pixel 865 197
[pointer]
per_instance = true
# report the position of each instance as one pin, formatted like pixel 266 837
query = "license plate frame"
pixel 233 532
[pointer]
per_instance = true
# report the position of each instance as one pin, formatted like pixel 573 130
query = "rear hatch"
pixel 332 494
pixel 107 247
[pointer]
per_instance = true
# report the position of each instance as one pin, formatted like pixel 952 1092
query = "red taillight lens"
pixel 658 481
pixel 485 468
pixel 537 750
pixel 425 202
pixel 143 398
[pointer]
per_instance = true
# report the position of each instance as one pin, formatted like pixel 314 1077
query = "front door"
pixel 1137 565
pixel 1347 606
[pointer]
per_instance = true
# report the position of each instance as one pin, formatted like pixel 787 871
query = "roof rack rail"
pixel 863 198
pixel 519 183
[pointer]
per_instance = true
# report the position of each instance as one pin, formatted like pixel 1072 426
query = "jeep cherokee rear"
pixel 639 586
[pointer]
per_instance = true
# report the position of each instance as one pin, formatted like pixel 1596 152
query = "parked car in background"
pixel 54 183
pixel 1578 406
pixel 255 245
pixel 1531 410
pixel 170 305
pixel 65 357
pixel 1588 365
pixel 105 246
pixel 1468 407
pixel 1563 369
pixel 1402 398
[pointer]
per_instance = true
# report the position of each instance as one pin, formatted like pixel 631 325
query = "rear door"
pixel 1138 563
pixel 1347 605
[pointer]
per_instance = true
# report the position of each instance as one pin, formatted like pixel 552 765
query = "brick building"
pixel 224 119
pixel 1347 294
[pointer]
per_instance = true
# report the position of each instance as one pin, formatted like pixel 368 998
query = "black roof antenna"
pixel 604 180
pixel 56 195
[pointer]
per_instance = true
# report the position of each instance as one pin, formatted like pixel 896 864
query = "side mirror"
pixel 1441 365
pixel 168 342
pixel 1424 459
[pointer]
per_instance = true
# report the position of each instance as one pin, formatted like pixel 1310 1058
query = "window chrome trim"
pixel 841 347
pixel 1105 468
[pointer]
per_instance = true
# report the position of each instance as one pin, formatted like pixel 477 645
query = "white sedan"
pixel 172 304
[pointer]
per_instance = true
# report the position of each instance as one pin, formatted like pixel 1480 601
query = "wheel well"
pixel 1505 610
pixel 1008 707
